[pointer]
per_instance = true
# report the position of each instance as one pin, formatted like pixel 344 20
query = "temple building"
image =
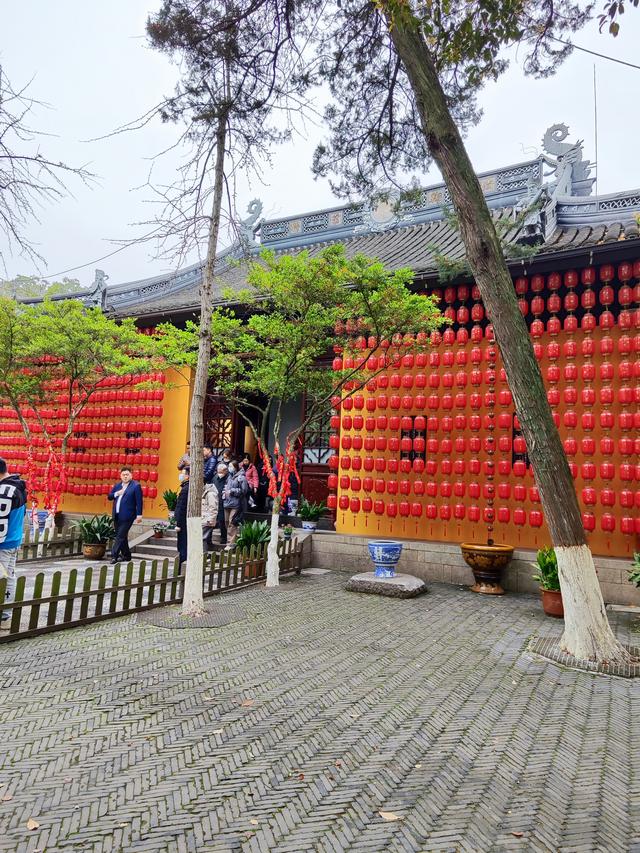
pixel 432 450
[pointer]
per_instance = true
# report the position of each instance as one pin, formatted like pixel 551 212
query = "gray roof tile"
pixel 407 246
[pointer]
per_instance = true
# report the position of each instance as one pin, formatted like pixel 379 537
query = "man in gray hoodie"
pixel 234 496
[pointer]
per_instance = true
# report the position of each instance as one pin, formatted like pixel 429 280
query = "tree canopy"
pixel 34 287
pixel 376 138
pixel 54 355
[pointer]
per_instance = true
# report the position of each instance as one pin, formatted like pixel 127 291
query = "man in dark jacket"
pixel 219 481
pixel 127 508
pixel 180 514
pixel 210 462
pixel 13 500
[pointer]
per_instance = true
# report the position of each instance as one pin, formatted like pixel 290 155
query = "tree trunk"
pixel 193 601
pixel 587 632
pixel 273 560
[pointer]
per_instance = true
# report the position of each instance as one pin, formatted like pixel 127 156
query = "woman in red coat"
pixel 251 475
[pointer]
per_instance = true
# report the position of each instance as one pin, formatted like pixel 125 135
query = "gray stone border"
pixel 547 647
pixel 216 616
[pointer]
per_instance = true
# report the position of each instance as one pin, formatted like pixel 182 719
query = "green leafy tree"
pixel 54 355
pixel 404 77
pixel 269 350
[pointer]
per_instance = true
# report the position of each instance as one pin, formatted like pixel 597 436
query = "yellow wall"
pixel 173 437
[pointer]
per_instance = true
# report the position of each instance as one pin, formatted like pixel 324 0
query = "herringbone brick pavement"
pixel 293 729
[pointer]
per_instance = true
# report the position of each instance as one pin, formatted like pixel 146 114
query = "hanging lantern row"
pixel 111 381
pixel 51 414
pixel 74 472
pixel 446 512
pixel 102 489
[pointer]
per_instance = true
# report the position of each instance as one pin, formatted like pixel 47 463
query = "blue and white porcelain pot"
pixel 385 555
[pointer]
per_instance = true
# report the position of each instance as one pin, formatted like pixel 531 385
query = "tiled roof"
pixel 408 246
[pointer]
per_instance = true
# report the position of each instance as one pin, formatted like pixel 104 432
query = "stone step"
pixel 167 549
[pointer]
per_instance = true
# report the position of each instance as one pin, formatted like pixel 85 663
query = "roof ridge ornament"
pixel 570 170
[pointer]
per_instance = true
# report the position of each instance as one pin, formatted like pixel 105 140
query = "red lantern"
pixel 627 525
pixel 608 522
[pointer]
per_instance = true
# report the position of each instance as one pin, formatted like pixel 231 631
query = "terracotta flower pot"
pixel 158 534
pixel 487 563
pixel 552 602
pixel 94 551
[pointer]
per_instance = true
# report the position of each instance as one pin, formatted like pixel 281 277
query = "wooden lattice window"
pixel 218 423
pixel 316 449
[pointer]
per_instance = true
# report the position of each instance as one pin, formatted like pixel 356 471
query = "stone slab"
pixel 399 586
pixel 314 572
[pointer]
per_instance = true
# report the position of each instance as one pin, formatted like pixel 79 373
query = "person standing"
pixel 127 508
pixel 234 495
pixel 209 512
pixel 219 482
pixel 13 501
pixel 185 459
pixel 180 514
pixel 253 480
pixel 210 463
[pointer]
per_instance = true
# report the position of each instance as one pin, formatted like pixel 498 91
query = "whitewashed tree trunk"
pixel 273 560
pixel 193 601
pixel 587 633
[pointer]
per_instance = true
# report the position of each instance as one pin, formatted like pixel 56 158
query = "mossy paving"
pixel 292 729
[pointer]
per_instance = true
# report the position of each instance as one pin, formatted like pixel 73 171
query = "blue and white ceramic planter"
pixel 385 555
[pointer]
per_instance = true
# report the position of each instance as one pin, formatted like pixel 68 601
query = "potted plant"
pixel 252 534
pixel 159 528
pixel 546 566
pixel 170 499
pixel 310 513
pixel 287 531
pixel 95 534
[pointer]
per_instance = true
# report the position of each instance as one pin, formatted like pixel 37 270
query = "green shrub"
pixel 97 530
pixel 253 533
pixel 547 575
pixel 634 571
pixel 170 498
pixel 310 511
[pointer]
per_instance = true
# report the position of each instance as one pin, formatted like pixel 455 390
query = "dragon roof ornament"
pixel 571 172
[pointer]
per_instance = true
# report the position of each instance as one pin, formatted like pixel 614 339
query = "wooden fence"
pixel 116 590
pixel 49 543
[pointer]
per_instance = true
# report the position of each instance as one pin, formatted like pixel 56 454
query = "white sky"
pixel 91 64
